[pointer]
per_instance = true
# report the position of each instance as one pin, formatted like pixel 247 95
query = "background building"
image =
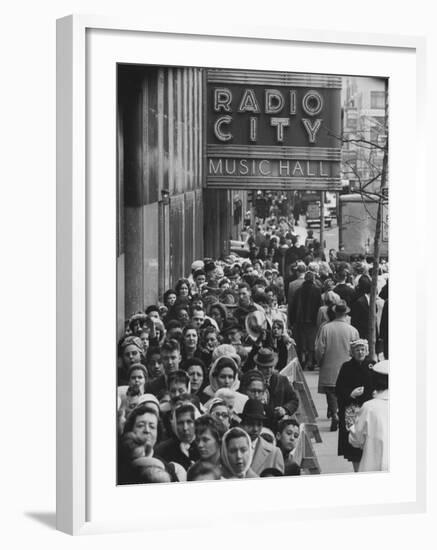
pixel 363 139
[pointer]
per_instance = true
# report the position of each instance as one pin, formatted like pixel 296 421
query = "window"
pixel 377 100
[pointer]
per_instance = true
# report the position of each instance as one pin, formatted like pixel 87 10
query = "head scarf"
pixel 224 451
pixel 217 364
pixel 150 399
pixel 133 341
pixel 214 402
pixel 173 420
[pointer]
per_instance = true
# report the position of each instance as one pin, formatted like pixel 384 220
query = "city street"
pixel 330 235
pixel 330 462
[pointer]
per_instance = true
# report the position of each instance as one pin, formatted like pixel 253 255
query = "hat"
pixel 253 410
pixel 149 399
pixel 230 325
pixel 227 297
pixel 197 264
pixel 359 342
pixel 381 367
pixel 255 322
pixel 341 307
pixel 266 357
pixel 209 266
pixel 248 377
pixel 138 366
pixel 227 350
pixel 133 341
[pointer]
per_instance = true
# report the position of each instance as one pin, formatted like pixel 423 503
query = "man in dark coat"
pixel 360 308
pixel 303 314
pixel 346 292
pixel 181 448
pixel 282 398
pixel 171 358
pixel 261 206
pixel 245 304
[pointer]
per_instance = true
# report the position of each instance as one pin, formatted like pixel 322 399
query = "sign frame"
pixel 272 164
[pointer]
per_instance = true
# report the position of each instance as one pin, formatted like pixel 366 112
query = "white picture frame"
pixel 85 249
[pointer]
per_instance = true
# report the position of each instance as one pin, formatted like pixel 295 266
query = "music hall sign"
pixel 273 130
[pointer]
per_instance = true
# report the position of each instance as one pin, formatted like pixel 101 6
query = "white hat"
pixel 381 367
pixel 197 264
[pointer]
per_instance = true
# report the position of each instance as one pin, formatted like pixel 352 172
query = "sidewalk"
pixel 330 462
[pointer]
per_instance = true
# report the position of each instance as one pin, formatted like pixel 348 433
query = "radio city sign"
pixel 273 130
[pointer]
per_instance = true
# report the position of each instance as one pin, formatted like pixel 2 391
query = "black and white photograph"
pixel 252 274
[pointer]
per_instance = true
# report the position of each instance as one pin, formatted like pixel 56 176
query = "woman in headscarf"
pixel 353 388
pixel 131 351
pixel 218 409
pixel 224 374
pixel 237 454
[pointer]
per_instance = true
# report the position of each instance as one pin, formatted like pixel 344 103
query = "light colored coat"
pixel 333 349
pixel 266 456
pixel 370 433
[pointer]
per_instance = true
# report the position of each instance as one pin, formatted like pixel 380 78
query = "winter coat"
pixel 370 433
pixel 170 451
pixel 266 456
pixel 281 394
pixel 352 375
pixel 332 349
pixel 306 303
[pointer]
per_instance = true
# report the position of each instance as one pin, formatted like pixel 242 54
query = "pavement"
pixel 330 462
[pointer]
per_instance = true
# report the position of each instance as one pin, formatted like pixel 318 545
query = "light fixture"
pixel 165 196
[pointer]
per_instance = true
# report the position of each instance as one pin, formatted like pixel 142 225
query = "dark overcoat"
pixel 352 375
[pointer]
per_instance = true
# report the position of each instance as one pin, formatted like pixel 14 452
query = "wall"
pixel 160 139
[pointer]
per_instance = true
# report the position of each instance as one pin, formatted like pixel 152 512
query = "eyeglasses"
pixel 221 415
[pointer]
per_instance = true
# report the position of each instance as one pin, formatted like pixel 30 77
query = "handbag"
pixel 350 415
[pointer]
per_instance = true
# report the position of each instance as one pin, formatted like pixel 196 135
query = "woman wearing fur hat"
pixel 353 388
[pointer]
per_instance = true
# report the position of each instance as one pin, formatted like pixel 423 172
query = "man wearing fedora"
pixel 265 454
pixel 332 351
pixel 282 398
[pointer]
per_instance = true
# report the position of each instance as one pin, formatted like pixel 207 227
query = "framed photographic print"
pixel 230 207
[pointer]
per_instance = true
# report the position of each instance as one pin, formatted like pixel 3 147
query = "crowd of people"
pixel 200 390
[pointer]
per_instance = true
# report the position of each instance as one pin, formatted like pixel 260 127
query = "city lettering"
pixel 268 168
pixel 274 102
